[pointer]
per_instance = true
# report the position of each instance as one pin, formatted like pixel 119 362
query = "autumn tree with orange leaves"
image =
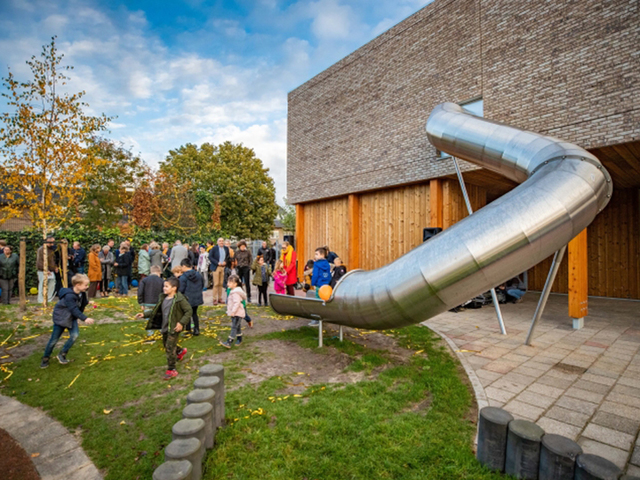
pixel 44 154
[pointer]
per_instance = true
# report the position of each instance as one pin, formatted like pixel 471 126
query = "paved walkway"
pixel 60 457
pixel 583 384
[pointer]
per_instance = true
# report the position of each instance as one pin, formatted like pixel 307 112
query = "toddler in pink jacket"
pixel 280 278
pixel 235 310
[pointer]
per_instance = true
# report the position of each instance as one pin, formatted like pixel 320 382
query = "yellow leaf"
pixel 35 455
pixel 123 422
pixel 107 412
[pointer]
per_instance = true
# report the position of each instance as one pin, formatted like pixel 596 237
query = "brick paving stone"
pixel 629 381
pixel 584 395
pixel 499 395
pixel 527 350
pixel 554 382
pixel 533 363
pixel 536 399
pixel 495 352
pixel 486 374
pixel 495 403
pixel 500 366
pixel 577 405
pixel 88 472
pixel 635 456
pixel 591 386
pixel 528 371
pixel 523 410
pixel 602 372
pixel 616 422
pixel 550 425
pixel 609 436
pixel 477 361
pixel 562 375
pixel 598 379
pixel 514 357
pixel 613 454
pixel 508 385
pixel 633 471
pixel 568 416
pixel 620 409
pixel 623 399
pixel 547 390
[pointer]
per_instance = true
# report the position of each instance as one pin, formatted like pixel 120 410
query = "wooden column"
pixel 578 279
pixel 353 208
pixel 64 255
pixel 436 205
pixel 300 233
pixel 22 271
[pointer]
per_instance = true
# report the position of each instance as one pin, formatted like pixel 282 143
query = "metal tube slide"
pixel 563 188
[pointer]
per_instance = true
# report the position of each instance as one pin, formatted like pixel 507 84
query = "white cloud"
pixel 332 21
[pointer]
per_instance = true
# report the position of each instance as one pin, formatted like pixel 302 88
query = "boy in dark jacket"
pixel 122 267
pixel 66 314
pixel 339 271
pixel 150 289
pixel 191 286
pixel 245 259
pixel 170 315
pixel 321 275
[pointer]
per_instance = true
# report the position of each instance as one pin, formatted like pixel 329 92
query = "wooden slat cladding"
pixel 623 163
pixel 455 208
pixel 613 251
pixel 391 223
pixel 326 223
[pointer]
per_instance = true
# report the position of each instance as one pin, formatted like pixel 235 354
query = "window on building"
pixel 475 107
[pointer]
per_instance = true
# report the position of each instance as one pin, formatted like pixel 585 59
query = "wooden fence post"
pixel 22 275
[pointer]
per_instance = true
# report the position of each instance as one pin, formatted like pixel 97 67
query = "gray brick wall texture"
pixel 570 69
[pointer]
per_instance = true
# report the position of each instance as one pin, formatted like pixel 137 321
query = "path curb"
pixel 60 457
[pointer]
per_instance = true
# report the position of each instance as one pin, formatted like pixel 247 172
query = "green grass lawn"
pixel 404 420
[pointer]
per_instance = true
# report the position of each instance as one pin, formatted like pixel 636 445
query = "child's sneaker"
pixel 45 362
pixel 238 339
pixel 62 358
pixel 170 374
pixel 226 344
pixel 181 355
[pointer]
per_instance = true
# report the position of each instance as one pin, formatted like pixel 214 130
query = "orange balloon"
pixel 325 292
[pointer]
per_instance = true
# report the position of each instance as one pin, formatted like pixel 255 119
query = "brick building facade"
pixel 356 131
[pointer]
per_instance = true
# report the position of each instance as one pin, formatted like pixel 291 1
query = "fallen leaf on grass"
pixel 107 412
pixel 123 422
pixel 35 455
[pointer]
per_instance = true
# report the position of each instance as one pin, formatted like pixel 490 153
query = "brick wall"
pixel 570 69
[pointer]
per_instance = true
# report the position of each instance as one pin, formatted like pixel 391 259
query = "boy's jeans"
pixel 123 284
pixel 74 331
pixel 515 292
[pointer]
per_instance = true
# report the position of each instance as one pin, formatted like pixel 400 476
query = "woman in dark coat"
pixel 9 264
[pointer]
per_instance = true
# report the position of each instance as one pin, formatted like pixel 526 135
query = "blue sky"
pixel 194 71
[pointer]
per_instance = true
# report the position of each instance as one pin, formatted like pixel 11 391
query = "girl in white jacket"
pixel 235 310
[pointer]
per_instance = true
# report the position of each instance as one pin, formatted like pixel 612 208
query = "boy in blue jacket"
pixel 321 275
pixel 66 314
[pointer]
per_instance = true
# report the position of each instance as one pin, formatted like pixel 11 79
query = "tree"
pixel 230 185
pixel 44 146
pixel 287 216
pixel 111 184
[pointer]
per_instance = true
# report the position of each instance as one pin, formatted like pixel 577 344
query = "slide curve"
pixel 562 188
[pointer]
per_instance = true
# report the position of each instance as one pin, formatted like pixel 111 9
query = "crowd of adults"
pixel 113 270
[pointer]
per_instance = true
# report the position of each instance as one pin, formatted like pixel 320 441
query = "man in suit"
pixel 218 258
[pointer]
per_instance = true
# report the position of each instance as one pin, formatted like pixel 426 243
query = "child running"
pixel 280 278
pixel 170 315
pixel 66 314
pixel 235 310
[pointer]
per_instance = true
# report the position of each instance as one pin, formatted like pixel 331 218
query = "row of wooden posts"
pixel 22 270
pixel 195 433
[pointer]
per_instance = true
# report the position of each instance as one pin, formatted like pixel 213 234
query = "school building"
pixel 366 181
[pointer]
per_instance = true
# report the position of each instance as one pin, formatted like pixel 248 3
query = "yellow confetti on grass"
pixel 7 339
pixel 74 380
pixel 107 412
